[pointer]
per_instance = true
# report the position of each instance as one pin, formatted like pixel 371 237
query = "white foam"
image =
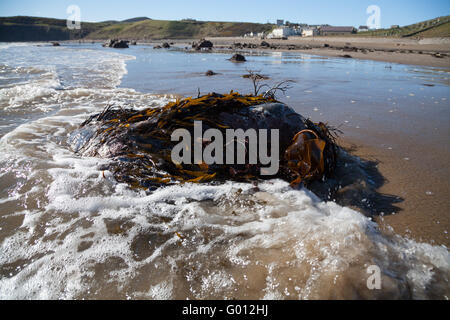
pixel 201 238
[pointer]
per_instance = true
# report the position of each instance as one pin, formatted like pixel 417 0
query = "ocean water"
pixel 68 230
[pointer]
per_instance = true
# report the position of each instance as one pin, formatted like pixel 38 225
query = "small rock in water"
pixel 238 58
pixel 210 73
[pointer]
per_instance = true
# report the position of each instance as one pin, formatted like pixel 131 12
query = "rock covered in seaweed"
pixel 140 141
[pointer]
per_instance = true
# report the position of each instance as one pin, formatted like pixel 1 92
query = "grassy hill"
pixel 439 27
pixel 163 29
pixel 142 28
pixel 47 29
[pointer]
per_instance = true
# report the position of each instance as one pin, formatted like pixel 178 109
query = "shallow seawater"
pixel 68 230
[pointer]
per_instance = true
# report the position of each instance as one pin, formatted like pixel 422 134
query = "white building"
pixel 309 32
pixel 282 32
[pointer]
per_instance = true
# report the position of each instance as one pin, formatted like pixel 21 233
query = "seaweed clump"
pixel 140 140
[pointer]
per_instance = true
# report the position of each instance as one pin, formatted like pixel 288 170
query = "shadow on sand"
pixel 355 184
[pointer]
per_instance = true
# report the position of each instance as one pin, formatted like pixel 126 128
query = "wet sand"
pixel 403 51
pixel 422 188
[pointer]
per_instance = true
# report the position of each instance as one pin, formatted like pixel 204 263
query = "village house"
pixel 310 32
pixel 284 32
pixel 363 28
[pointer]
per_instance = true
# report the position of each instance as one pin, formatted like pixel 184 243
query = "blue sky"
pixel 343 12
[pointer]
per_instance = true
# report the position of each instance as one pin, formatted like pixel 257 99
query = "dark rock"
pixel 347 56
pixel 165 45
pixel 350 49
pixel 238 58
pixel 265 44
pixel 210 73
pixel 133 43
pixel 326 45
pixel 117 44
pixel 55 44
pixel 203 44
pixel 255 76
pixel 157 47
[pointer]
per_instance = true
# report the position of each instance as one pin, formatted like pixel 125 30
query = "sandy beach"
pixel 433 52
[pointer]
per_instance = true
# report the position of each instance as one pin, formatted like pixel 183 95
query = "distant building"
pixel 309 32
pixel 280 23
pixel 284 32
pixel 363 28
pixel 254 35
pixel 329 30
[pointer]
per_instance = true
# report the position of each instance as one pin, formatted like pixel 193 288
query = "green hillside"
pixel 439 27
pixel 163 29
pixel 46 29
pixel 143 28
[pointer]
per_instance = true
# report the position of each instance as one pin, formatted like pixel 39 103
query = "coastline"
pixel 390 50
pixel 78 216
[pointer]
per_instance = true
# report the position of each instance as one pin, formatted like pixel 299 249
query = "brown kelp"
pixel 140 141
